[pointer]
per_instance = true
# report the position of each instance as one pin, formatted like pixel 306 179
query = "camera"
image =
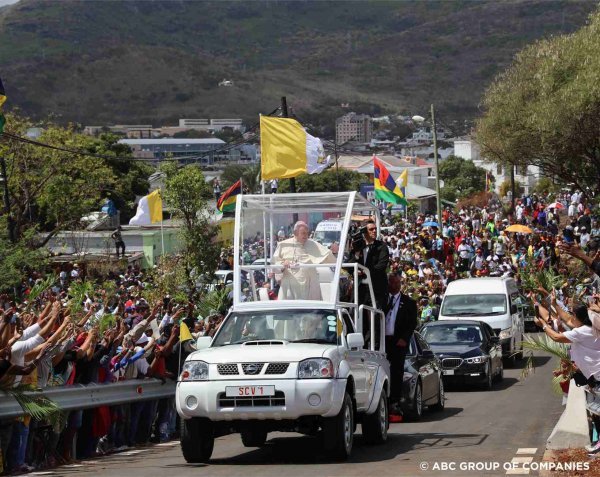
pixel 357 239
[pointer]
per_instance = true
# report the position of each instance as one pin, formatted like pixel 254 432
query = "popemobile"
pixel 296 352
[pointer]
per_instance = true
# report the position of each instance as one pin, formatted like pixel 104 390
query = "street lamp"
pixel 420 119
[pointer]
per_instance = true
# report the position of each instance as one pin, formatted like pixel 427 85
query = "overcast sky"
pixel 7 2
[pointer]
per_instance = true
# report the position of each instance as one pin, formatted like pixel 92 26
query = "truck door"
pixel 356 362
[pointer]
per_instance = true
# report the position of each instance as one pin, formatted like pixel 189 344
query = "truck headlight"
pixel 476 360
pixel 194 371
pixel 505 334
pixel 315 368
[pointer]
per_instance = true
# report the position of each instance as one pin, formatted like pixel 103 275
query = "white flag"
pixel 316 162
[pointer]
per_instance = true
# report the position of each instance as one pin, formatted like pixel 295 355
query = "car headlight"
pixel 476 359
pixel 315 368
pixel 505 334
pixel 194 371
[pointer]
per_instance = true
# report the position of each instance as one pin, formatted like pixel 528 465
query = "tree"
pixel 327 181
pixel 544 110
pixel 461 178
pixel 249 174
pixel 186 193
pixel 505 188
pixel 17 259
pixel 51 189
pixel 545 185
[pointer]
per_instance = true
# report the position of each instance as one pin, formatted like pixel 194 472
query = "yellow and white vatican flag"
pixel 149 210
pixel 287 150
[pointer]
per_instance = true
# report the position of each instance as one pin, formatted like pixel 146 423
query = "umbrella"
pixel 430 224
pixel 556 205
pixel 522 229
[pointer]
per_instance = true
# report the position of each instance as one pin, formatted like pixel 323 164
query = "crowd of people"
pixel 113 336
pixel 56 339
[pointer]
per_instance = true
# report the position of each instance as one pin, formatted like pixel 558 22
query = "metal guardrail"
pixel 76 397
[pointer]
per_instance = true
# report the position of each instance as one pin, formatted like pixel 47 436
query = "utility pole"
pixel 9 221
pixel 437 170
pixel 337 169
pixel 284 114
pixel 512 188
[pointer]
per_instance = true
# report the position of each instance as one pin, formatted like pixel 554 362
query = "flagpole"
pixel 162 233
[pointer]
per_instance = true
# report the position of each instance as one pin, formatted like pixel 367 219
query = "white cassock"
pixel 301 283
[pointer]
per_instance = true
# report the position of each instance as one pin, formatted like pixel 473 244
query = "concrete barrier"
pixel 571 430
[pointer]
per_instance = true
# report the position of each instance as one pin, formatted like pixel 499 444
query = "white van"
pixel 329 231
pixel 493 301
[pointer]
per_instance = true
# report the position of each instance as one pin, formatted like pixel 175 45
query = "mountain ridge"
pixel 99 62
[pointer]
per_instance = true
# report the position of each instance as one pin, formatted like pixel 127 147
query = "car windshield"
pixel 297 326
pixel 449 335
pixel 474 305
pixel 327 236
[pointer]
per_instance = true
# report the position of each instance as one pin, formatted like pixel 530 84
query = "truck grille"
pixel 252 368
pixel 451 363
pixel 227 369
pixel 252 401
pixel 277 368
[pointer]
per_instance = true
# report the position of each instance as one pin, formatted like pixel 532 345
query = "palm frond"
pixel 559 350
pixel 36 405
pixel 39 288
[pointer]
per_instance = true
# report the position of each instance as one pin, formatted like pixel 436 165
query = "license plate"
pixel 448 372
pixel 249 391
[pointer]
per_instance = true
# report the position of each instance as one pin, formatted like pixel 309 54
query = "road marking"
pixel 517 471
pixel 526 450
pixel 522 460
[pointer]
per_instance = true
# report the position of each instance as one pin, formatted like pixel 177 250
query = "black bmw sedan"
pixel 469 351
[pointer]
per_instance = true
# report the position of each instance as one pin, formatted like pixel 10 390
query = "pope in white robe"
pixel 300 283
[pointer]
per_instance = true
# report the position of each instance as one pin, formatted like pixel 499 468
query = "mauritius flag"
pixel 2 99
pixel 386 188
pixel 226 202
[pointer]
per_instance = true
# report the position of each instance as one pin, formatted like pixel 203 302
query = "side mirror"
pixel 494 339
pixel 513 308
pixel 355 340
pixel 427 354
pixel 203 342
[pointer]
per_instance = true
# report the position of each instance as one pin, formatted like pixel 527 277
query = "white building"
pixel 527 176
pixel 212 125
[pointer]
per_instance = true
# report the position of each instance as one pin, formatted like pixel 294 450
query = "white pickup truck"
pixel 297 364
pixel 297 369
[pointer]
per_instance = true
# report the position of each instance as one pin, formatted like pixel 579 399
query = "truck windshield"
pixel 474 305
pixel 296 326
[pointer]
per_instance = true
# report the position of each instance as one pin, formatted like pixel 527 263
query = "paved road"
pixel 512 420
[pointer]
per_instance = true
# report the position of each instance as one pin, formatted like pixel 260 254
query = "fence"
pixel 69 398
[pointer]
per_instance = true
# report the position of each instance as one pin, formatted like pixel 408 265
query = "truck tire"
pixel 197 440
pixel 338 431
pixel 254 438
pixel 375 426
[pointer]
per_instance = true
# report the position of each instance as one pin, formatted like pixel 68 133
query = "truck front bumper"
pixel 293 398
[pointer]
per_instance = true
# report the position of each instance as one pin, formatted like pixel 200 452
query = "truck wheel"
pixel 197 440
pixel 254 438
pixel 338 431
pixel 375 426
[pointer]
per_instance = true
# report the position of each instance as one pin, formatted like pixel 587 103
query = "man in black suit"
pixel 400 323
pixel 375 256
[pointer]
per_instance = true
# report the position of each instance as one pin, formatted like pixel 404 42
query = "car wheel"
pixel 254 438
pixel 441 403
pixel 500 375
pixel 416 409
pixel 338 431
pixel 197 440
pixel 489 376
pixel 375 426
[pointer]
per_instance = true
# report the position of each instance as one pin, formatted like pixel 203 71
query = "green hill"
pixel 99 62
